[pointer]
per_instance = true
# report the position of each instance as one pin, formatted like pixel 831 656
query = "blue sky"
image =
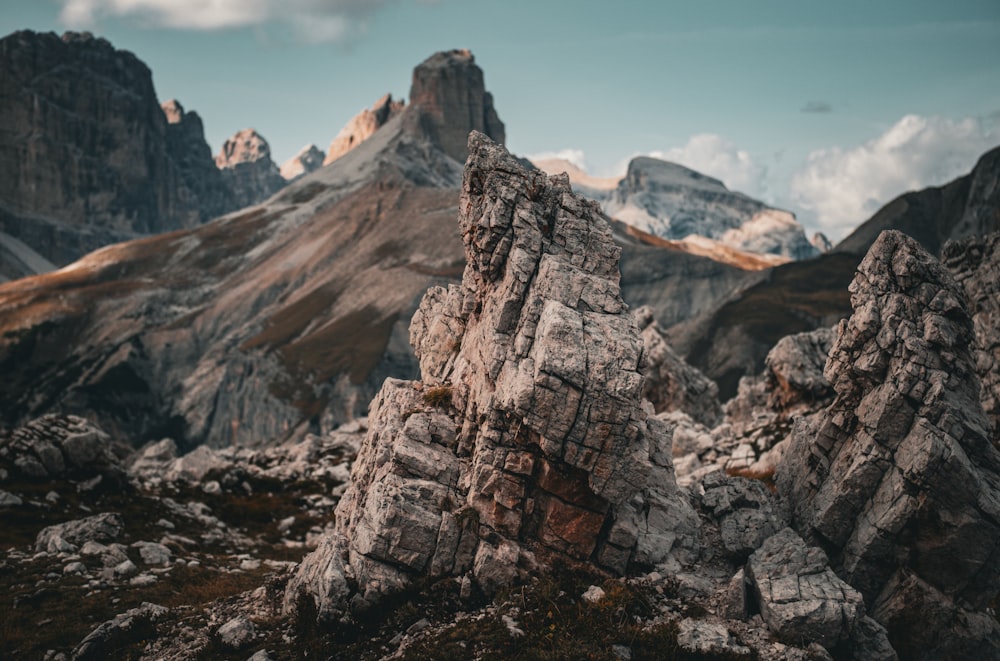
pixel 827 109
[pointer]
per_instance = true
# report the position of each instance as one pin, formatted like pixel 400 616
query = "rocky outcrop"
pixel 673 202
pixel 309 159
pixel 56 446
pixel 70 536
pixel 671 384
pixel 897 479
pixel 362 126
pixel 247 168
pixel 86 155
pixel 975 263
pixel 448 89
pixel 525 439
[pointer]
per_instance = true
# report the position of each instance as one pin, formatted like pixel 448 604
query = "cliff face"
pixel 362 126
pixel 84 155
pixel 448 88
pixel 88 156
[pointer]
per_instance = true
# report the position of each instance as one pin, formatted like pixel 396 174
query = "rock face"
pixel 672 202
pixel 363 125
pixel 671 384
pixel 309 159
pixel 201 185
pixel 247 168
pixel 86 155
pixel 898 480
pixel 525 439
pixel 448 87
pixel 975 263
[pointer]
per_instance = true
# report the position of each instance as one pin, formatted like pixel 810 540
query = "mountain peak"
pixel 362 126
pixel 309 159
pixel 450 100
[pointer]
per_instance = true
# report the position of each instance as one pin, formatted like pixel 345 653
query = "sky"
pixel 827 109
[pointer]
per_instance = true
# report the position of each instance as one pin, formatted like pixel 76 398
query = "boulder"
pixel 69 536
pixel 59 446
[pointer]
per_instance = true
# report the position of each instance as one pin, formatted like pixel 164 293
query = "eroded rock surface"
pixel 898 479
pixel 671 384
pixel 526 439
pixel 975 263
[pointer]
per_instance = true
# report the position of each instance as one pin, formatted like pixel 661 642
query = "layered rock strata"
pixel 897 479
pixel 526 440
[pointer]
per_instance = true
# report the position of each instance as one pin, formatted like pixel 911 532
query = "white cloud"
pixel 844 187
pixel 574 156
pixel 311 20
pixel 717 157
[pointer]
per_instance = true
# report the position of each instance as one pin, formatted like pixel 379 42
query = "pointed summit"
pixel 362 126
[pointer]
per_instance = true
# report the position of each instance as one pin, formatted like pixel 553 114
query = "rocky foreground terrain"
pixel 525 498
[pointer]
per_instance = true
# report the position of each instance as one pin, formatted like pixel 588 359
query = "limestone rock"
pixel 671 384
pixel 526 438
pixel 69 536
pixel 201 183
pixel 707 638
pixel 794 370
pixel 448 88
pixel 744 510
pixel 237 632
pixel 309 159
pixel 898 478
pixel 247 168
pixel 799 596
pixel 55 446
pixel 975 263
pixel 362 126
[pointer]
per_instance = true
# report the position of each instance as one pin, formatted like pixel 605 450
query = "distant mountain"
pixel 967 206
pixel 287 316
pixel 309 159
pixel 258 325
pixel 676 203
pixel 247 169
pixel 89 157
pixel 362 126
pixel 734 339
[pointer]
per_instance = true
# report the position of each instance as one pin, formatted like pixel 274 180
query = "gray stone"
pixel 237 632
pixel 129 627
pixel 707 638
pixel 799 596
pixel 153 553
pixel 72 534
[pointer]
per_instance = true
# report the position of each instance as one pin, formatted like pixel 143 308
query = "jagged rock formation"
pixel 86 154
pixel 362 126
pixel 247 168
pixel 309 159
pixel 672 202
pixel 897 479
pixel 202 185
pixel 448 88
pixel 525 438
pixel 671 384
pixel 975 263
